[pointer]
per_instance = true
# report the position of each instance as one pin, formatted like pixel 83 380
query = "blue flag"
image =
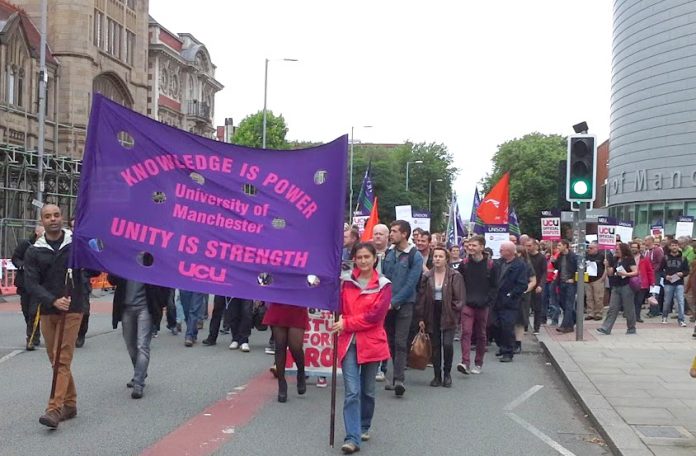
pixel 366 197
pixel 474 208
pixel 456 232
pixel 513 223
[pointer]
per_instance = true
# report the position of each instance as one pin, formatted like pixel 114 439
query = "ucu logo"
pixel 606 230
pixel 202 272
pixel 550 223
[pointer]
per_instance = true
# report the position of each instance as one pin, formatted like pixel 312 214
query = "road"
pixel 210 400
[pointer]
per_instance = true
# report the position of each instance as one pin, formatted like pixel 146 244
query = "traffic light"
pixel 581 171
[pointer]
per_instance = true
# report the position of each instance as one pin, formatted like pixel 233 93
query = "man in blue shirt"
pixel 403 266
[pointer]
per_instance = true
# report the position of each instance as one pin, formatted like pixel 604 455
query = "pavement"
pixel 636 389
pixel 213 401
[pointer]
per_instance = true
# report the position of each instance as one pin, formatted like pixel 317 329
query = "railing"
pixel 197 109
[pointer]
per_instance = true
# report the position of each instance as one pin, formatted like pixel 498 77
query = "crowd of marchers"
pixel 395 284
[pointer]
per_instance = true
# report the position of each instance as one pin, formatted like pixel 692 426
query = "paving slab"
pixel 635 388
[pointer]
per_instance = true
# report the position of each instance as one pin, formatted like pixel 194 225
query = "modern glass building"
pixel 652 159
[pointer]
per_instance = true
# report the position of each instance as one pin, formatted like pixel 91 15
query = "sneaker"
pixel 602 331
pixel 536 332
pixel 518 348
pixel 50 419
pixel 322 383
pixel 130 383
pixel 682 324
pixel 155 334
pixel 456 338
pixel 234 345
pixel 350 448
pixel 664 321
pixel 245 347
pixel 365 436
pixel 188 342
pixel 506 359
pixel 463 368
pixel 269 350
pixel 208 342
pixel 380 377
pixel 137 392
pixel 399 389
pixel 68 412
pixel 476 370
pixel 589 317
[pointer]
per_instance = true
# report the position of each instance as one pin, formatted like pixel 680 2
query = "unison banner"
pixel 495 236
pixel 162 206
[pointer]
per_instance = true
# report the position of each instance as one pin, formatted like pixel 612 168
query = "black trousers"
pixel 29 311
pixel 505 320
pixel 537 300
pixel 442 342
pixel 170 312
pixel 237 314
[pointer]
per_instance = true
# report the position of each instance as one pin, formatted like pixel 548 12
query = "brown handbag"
pixel 421 351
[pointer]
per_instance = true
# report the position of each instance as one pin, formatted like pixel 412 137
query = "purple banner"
pixel 162 206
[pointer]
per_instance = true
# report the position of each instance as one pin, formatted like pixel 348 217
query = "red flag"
pixel 371 222
pixel 493 210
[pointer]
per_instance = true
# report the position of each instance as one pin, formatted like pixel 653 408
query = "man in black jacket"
pixel 29 306
pixel 567 266
pixel 539 264
pixel 512 283
pixel 61 292
pixel 480 278
pixel 136 306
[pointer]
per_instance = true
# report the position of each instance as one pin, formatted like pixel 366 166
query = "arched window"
pixel 191 88
pixel 10 85
pixel 112 87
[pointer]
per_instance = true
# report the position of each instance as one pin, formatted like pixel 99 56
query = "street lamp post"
pixel 430 192
pixel 265 99
pixel 417 162
pixel 350 206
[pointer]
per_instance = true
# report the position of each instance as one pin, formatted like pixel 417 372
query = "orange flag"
pixel 371 222
pixel 493 209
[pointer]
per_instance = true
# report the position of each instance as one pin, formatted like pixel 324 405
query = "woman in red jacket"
pixel 362 342
pixel 646 276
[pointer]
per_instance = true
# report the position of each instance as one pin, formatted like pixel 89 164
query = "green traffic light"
pixel 580 188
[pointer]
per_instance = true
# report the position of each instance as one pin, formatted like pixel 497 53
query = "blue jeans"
pixel 359 402
pixel 567 301
pixel 673 292
pixel 551 302
pixel 193 303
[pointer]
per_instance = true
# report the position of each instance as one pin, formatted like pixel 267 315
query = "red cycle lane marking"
pixel 206 432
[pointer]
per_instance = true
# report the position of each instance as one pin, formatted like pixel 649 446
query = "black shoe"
pixel 208 342
pixel 447 381
pixel 301 383
pixel 282 391
pixel 518 348
pixel 80 342
pixel 130 383
pixel 137 392
pixel 436 382
pixel 506 359
pixel 399 389
pixel 640 320
pixel 499 353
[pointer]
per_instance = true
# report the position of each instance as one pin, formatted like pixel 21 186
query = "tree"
pixel 533 164
pixel 389 178
pixel 250 131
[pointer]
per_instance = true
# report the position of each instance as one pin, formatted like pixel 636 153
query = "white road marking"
pixel 523 397
pixel 543 437
pixel 10 355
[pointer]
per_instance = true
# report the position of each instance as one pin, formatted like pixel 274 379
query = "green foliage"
pixel 533 164
pixel 250 131
pixel 389 178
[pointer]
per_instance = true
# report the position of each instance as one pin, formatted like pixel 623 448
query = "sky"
pixel 467 74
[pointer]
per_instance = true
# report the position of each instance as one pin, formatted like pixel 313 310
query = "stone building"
pixel 182 81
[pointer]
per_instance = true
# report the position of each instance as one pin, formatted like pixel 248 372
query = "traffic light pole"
pixel 580 303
